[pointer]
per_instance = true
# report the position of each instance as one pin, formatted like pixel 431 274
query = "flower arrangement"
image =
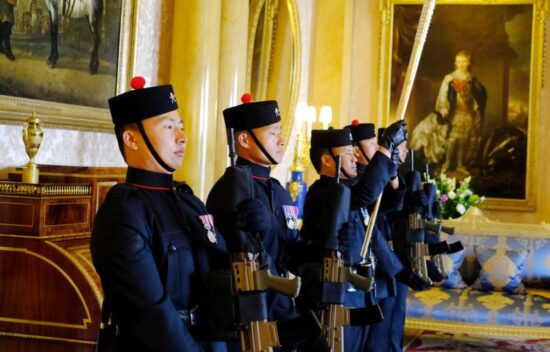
pixel 455 200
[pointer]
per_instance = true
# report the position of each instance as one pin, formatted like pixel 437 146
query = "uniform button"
pixel 277 212
pixel 172 247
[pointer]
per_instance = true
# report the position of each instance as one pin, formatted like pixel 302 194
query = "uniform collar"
pixel 259 172
pixel 361 168
pixel 149 180
pixel 330 180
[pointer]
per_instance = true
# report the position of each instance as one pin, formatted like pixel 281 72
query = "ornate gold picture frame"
pixel 66 91
pixel 474 108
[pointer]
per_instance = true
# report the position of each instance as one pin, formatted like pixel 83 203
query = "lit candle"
pixel 300 116
pixel 325 116
pixel 310 116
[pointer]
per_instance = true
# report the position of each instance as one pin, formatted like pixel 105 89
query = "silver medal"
pixel 291 223
pixel 212 236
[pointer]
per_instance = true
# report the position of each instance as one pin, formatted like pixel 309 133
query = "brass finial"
pixel 32 137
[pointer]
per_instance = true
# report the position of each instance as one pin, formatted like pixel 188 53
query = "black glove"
pixel 409 278
pixel 394 134
pixel 253 216
pixel 396 160
pixel 433 272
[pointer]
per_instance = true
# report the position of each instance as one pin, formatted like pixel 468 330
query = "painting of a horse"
pixel 91 9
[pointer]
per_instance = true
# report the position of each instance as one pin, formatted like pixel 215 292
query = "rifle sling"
pixel 366 316
pixel 298 329
pixel 333 292
pixel 252 306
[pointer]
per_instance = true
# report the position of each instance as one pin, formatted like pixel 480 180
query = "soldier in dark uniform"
pixel 389 266
pixel 325 146
pixel 388 334
pixel 259 145
pixel 152 238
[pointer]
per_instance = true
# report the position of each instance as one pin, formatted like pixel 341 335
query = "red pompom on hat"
pixel 142 103
pixel 250 115
pixel 246 98
pixel 355 123
pixel 137 82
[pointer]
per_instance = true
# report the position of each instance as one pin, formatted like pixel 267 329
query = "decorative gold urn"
pixel 32 137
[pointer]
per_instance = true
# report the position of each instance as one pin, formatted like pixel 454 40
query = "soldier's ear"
pixel 243 140
pixel 129 139
pixel 326 160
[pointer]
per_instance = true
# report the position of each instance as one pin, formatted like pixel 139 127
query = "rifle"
pixel 419 251
pixel 336 272
pixel 251 275
pixel 434 227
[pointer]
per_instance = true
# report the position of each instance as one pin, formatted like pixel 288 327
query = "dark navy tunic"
pixel 278 242
pixel 387 288
pixel 364 191
pixel 148 245
pixel 388 263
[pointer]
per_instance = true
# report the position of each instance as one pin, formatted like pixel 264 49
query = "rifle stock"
pixel 440 265
pixel 336 317
pixel 263 280
pixel 437 228
pixel 260 337
pixel 419 254
pixel 418 250
pixel 361 282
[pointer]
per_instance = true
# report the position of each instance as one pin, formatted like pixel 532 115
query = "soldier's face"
pixel 272 140
pixel 348 161
pixel 403 151
pixel 369 146
pixel 462 63
pixel 167 137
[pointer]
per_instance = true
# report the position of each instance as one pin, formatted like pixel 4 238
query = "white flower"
pixel 452 195
pixel 460 208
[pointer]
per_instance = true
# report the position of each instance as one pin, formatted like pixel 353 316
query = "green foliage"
pixel 455 198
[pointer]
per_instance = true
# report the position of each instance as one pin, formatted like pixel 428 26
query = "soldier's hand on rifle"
pixel 394 135
pixel 409 278
pixel 253 216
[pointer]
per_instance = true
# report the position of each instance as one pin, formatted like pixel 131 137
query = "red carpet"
pixel 436 341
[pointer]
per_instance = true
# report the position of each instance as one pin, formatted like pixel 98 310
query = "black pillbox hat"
pixel 142 103
pixel 250 115
pixel 331 138
pixel 362 131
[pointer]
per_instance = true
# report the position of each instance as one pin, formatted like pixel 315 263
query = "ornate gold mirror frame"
pixel 274 54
